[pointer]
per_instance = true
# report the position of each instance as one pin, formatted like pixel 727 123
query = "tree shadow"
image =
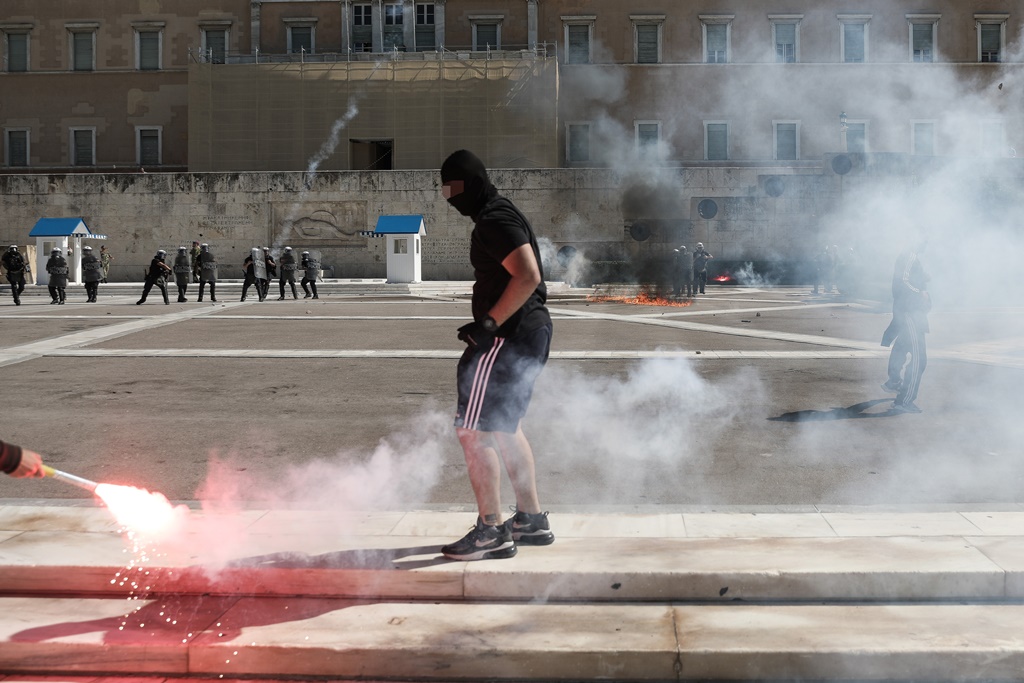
pixel 854 412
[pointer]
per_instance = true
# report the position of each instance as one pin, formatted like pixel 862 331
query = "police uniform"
pixel 57 268
pixel 207 271
pixel 14 264
pixel 182 273
pixel 158 271
pixel 311 267
pixel 92 274
pixel 287 264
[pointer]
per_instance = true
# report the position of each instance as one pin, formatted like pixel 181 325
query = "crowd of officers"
pixel 196 266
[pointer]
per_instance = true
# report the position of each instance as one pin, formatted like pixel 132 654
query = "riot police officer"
pixel 14 264
pixel 287 264
pixel 57 267
pixel 255 271
pixel 157 274
pixel 92 273
pixel 182 273
pixel 270 267
pixel 312 269
pixel 207 271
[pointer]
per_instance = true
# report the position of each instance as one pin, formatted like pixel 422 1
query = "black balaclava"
pixel 465 166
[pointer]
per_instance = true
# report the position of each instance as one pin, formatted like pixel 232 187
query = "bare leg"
pixel 518 458
pixel 484 472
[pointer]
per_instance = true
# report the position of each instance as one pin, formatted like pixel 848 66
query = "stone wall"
pixel 763 211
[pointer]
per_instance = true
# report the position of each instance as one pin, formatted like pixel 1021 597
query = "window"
pixel 578 38
pixel 486 32
pixel 856 137
pixel 715 29
pixel 716 140
pixel 16 143
pixel 362 28
pixel 647 38
pixel 147 146
pixel 83 146
pixel 922 36
pixel 787 140
pixel 425 38
pixel 648 134
pixel 993 139
pixel 991 36
pixel 215 45
pixel 853 38
pixel 577 143
pixel 393 35
pixel 147 50
pixel 922 140
pixel 401 245
pixel 301 35
pixel 786 37
pixel 83 49
pixel 16 51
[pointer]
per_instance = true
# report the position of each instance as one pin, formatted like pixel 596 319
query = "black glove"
pixel 474 334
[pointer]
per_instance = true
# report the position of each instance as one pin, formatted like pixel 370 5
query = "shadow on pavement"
pixel 855 411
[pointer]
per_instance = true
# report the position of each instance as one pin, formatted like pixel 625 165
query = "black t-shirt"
pixel 500 230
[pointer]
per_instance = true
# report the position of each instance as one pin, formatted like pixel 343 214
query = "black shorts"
pixel 496 382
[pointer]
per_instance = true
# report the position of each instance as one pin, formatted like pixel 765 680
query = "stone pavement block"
pixel 1008 553
pixel 333 524
pixel 425 641
pixel 49 561
pixel 55 518
pixel 756 525
pixel 837 642
pixel 733 569
pixel 102 635
pixel 1003 523
pixel 570 525
pixel 901 524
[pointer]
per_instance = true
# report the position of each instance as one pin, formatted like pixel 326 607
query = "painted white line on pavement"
pixel 676 313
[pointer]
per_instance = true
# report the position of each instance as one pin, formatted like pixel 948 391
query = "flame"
pixel 722 278
pixel 643 298
pixel 147 515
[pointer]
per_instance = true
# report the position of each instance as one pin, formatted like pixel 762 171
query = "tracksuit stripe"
pixel 477 393
pixel 913 373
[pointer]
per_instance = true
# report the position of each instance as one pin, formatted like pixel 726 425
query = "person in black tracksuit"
pixel 507 345
pixel 700 269
pixel 906 332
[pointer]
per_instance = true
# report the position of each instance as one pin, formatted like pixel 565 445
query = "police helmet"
pixel 682 247
pixel 305 253
pixel 87 248
pixel 55 250
pixel 287 248
pixel 182 249
pixel 700 245
pixel 13 247
pixel 161 252
pixel 204 246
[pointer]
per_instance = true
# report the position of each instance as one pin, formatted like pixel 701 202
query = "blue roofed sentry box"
pixel 404 246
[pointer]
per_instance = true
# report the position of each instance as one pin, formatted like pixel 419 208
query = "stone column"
pixel 254 25
pixel 531 23
pixel 438 24
pixel 346 25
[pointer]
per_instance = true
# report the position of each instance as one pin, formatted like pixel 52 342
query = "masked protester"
pixel 14 263
pixel 682 271
pixel 700 268
pixel 910 306
pixel 207 271
pixel 156 275
pixel 507 345
pixel 57 268
pixel 92 274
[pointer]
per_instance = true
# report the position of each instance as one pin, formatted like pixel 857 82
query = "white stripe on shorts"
pixel 475 402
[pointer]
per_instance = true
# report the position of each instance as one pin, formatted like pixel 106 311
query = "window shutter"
pixel 83 148
pixel 17 147
pixel 990 42
pixel 785 34
pixel 149 147
pixel 302 39
pixel 486 35
pixel 17 52
pixel 855 137
pixel 647 44
pixel 718 142
pixel 785 141
pixel 647 134
pixel 717 43
pixel 82 51
pixel 579 44
pixel 149 50
pixel 853 42
pixel 216 45
pixel 922 42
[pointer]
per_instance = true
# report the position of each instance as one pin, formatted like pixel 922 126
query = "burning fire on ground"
pixel 645 297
